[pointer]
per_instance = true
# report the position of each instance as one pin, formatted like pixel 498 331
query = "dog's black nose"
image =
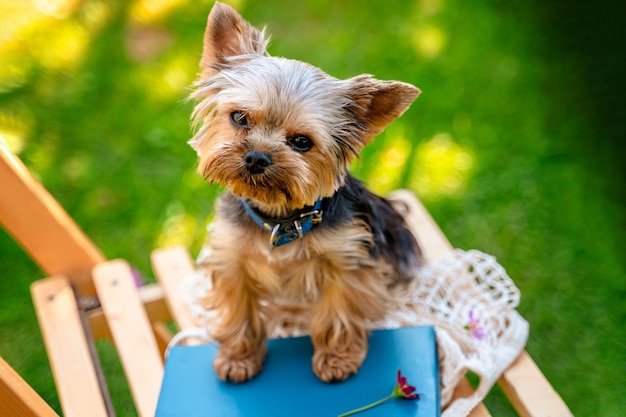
pixel 256 161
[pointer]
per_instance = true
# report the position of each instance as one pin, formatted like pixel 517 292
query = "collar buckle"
pixel 289 230
pixel 316 215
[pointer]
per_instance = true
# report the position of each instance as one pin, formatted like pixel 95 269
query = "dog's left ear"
pixel 228 35
pixel 377 103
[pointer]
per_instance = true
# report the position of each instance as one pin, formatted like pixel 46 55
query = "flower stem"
pixel 367 407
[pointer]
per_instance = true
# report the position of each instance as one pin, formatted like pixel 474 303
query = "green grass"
pixel 515 146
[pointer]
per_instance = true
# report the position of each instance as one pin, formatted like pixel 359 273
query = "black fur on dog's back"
pixel 392 238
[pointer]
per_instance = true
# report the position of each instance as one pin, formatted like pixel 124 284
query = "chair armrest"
pixel 530 392
pixel 18 398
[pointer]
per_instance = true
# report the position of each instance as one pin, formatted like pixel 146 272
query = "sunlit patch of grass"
pixel 386 174
pixel 95 14
pixel 178 73
pixel 14 129
pixel 167 80
pixel 14 70
pixel 180 228
pixel 39 33
pixel 14 141
pixel 59 9
pixel 429 41
pixel 60 46
pixel 14 15
pixel 441 167
pixel 16 18
pixel 152 11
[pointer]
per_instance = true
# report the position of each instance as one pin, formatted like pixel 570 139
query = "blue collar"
pixel 290 229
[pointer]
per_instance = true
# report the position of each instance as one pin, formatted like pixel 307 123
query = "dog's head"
pixel 279 132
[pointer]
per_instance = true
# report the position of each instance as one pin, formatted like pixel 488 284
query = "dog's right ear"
pixel 228 35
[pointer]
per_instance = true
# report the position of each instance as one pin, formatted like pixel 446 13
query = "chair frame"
pixel 134 318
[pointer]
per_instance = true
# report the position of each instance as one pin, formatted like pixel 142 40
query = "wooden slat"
pixel 153 300
pixel 465 389
pixel 432 241
pixel 132 333
pixel 75 374
pixel 530 392
pixel 19 399
pixel 37 221
pixel 163 336
pixel 171 266
pixel 526 387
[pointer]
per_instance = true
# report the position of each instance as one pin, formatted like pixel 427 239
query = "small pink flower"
pixel 474 326
pixel 401 390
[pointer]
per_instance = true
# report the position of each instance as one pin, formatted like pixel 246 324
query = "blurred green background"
pixel 516 146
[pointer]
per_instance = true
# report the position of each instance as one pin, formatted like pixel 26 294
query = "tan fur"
pixel 331 272
pixel 342 288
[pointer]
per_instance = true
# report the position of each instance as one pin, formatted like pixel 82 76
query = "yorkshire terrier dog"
pixel 293 224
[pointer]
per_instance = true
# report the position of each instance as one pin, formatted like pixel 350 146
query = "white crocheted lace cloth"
pixel 460 289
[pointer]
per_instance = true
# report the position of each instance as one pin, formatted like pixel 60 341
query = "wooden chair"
pixel 87 297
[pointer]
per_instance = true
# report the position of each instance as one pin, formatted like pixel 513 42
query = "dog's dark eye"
pixel 301 143
pixel 239 118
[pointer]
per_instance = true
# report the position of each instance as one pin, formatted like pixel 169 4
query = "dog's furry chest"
pixel 299 271
pixel 294 281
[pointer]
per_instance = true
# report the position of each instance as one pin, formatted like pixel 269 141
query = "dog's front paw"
pixel 238 369
pixel 330 366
